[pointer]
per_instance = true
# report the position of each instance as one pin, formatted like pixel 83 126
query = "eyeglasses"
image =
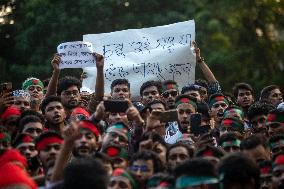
pixel 70 93
pixel 142 168
pixel 33 88
pixel 167 94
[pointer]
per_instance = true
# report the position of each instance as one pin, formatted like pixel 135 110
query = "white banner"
pixel 76 54
pixel 139 55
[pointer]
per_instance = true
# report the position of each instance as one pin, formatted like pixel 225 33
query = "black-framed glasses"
pixel 167 94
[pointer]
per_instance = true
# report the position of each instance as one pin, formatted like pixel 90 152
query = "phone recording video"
pixel 116 105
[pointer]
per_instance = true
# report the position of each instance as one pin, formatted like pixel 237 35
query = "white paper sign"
pixel 139 55
pixel 77 54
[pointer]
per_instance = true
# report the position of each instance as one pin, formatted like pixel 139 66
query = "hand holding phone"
pixel 115 105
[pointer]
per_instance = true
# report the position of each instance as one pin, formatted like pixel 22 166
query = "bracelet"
pixel 201 60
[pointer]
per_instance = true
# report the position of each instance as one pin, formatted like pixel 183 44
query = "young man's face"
pixel 142 170
pixel 22 103
pixel 149 94
pixel 70 97
pixel 258 154
pixel 278 176
pixel 27 149
pixel 275 97
pixel 120 92
pixel 33 128
pixel 49 153
pixel 55 113
pixel 244 98
pixel 161 150
pixel 169 97
pixel 86 145
pixel 277 149
pixel 258 123
pixel 217 110
pixel 275 128
pixel 177 156
pixel 184 112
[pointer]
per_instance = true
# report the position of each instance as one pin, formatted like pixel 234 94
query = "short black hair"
pixel 198 167
pixel 48 100
pixel 34 113
pixel 119 82
pixel 239 86
pixel 104 158
pixel 203 108
pixel 148 155
pixel 85 173
pixel 66 82
pixel 189 149
pixel 259 108
pixel 253 141
pixel 191 87
pixel 202 83
pixel 29 119
pixel 150 83
pixel 156 101
pixel 265 92
pixel 237 168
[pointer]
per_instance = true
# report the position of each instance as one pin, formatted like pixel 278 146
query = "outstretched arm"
pixel 209 76
pixel 52 85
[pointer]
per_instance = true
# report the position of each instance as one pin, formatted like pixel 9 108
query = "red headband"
pixel 27 139
pixel 48 140
pixel 10 111
pixel 80 110
pixel 279 160
pixel 265 170
pixel 11 174
pixel 207 153
pixel 89 126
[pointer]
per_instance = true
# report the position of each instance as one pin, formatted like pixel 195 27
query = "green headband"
pixel 169 86
pixel 273 144
pixel 185 181
pixel 119 127
pixel 217 99
pixel 186 100
pixel 32 82
pixel 231 143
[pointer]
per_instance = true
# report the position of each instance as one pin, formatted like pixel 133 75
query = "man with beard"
pixel 48 145
pixel 88 142
pixel 22 99
pixel 35 88
pixel 186 106
pixel 69 90
pixel 275 122
pixel 217 104
pixel 54 113
pixel 271 94
pixel 150 90
pixel 243 94
pixel 169 92
pixel 117 133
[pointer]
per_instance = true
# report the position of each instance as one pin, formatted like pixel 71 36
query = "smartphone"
pixel 195 122
pixel 168 116
pixel 116 105
pixel 6 87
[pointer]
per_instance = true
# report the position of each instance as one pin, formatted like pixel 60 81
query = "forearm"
pixel 61 161
pixel 209 76
pixel 52 85
pixel 99 84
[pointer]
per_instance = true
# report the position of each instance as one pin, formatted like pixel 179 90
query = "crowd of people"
pixel 54 135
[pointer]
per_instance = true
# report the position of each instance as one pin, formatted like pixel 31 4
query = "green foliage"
pixel 241 40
